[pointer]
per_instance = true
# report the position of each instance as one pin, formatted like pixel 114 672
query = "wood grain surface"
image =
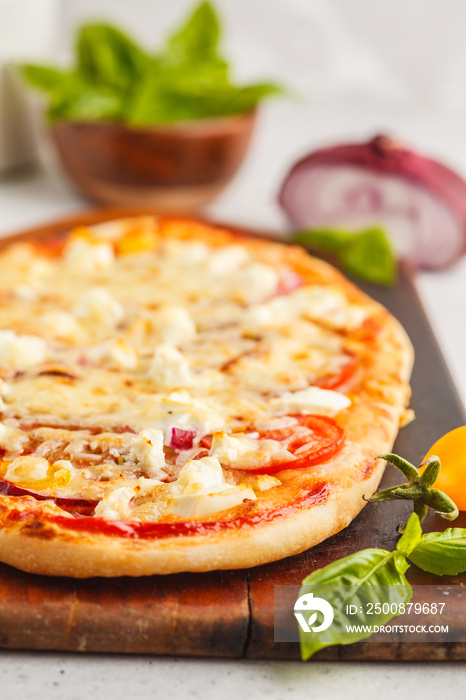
pixel 230 613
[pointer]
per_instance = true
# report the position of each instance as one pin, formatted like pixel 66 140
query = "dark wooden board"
pixel 230 613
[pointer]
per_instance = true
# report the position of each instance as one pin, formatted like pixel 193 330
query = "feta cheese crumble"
pixel 323 402
pixel 180 408
pixel 254 283
pixel 227 259
pixel 244 451
pixel 205 491
pixel 21 351
pixel 62 324
pixel 11 439
pixel 174 325
pixel 116 505
pixel 169 368
pixel 99 307
pixel 25 471
pixel 147 452
pixel 83 255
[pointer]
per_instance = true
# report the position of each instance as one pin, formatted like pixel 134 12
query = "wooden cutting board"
pixel 230 613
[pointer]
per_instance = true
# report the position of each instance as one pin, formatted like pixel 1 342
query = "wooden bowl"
pixel 180 166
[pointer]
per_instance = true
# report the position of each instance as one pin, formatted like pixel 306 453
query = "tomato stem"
pixel 418 488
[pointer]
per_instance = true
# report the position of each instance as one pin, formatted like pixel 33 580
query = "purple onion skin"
pixel 385 156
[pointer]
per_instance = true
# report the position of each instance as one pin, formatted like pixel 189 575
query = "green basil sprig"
pixel 441 553
pixel 117 80
pixel 369 575
pixel 366 254
pixel 436 552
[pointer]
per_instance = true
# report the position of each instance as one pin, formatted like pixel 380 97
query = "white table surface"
pixel 37 197
pixel 357 68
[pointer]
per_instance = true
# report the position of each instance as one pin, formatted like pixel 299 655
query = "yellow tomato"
pixel 451 450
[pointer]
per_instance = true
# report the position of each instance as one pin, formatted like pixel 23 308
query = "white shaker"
pixel 27 33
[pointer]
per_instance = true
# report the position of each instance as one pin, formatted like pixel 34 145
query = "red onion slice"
pixel 80 505
pixel 179 438
pixel 420 202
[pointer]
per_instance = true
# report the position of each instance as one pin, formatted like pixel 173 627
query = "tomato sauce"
pixel 136 530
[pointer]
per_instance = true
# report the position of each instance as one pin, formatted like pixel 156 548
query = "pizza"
pixel 176 396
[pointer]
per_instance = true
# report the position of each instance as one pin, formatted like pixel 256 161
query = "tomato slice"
pixel 206 441
pixel 336 381
pixel 312 439
pixel 315 439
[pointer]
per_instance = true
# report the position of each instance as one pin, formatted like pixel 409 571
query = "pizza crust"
pixel 38 545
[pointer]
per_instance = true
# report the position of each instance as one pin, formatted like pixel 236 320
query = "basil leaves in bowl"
pixel 168 129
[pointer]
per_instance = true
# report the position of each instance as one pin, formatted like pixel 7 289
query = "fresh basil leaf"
pixel 365 254
pixel 245 99
pixel 370 257
pixel 197 37
pixel 193 79
pixel 442 553
pixel 411 536
pixel 71 97
pixel 156 102
pixel 369 576
pixel 107 57
pixel 46 78
pixel 356 568
pixel 326 240
pixel 200 80
pixel 85 105
pixel 209 74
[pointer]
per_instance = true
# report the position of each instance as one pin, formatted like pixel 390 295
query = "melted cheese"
pixel 131 330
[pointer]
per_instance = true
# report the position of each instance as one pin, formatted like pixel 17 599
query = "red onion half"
pixel 420 202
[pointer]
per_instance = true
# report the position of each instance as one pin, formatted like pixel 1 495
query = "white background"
pixel 356 68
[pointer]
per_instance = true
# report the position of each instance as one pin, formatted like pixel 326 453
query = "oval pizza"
pixel 176 396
